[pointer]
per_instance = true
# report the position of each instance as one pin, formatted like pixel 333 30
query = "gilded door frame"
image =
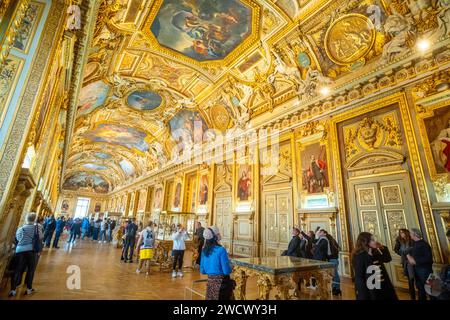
pixel 417 169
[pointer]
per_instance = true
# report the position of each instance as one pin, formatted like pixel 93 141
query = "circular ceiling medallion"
pixel 349 38
pixel 220 117
pixel 144 100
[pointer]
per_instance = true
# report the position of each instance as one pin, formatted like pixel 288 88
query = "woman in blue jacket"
pixel 215 264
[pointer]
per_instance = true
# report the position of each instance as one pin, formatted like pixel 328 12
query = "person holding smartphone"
pixel 178 237
pixel 372 281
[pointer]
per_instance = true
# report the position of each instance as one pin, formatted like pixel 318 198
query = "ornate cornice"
pixel 84 36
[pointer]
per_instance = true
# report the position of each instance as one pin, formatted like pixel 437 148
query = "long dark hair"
pixel 210 244
pixel 362 243
pixel 407 239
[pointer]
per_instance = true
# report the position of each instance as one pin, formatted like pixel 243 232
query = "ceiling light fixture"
pixel 423 45
pixel 325 91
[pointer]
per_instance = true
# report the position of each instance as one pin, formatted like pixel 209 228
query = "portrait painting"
pixel 127 167
pixel 203 30
pixel 65 206
pixel 157 199
pixel 144 100
pixel 142 200
pixel 97 207
pixel 86 181
pixel 244 187
pixel 177 196
pixel 204 188
pixel 93 166
pixel 28 25
pixel 314 168
pixel 187 127
pixel 122 135
pixel 92 96
pixel 438 134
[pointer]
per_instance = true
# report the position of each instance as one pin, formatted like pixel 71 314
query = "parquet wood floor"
pixel 105 277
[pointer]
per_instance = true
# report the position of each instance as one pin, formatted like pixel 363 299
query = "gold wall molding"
pixel 6 41
pixel 15 142
pixel 416 168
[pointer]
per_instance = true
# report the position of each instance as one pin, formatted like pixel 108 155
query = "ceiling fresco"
pixel 118 134
pixel 86 181
pixel 144 100
pixel 161 72
pixel 202 29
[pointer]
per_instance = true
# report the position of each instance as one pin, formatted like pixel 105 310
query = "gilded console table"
pixel 283 275
pixel 163 256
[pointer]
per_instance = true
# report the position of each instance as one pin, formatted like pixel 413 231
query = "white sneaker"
pixel 12 293
pixel 180 274
pixel 29 291
pixel 104 241
pixel 312 287
pixel 100 241
pixel 138 271
pixel 174 274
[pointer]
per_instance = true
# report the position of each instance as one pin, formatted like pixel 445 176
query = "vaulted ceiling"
pixel 155 66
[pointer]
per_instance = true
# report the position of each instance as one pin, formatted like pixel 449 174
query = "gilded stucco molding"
pixel 14 146
pixel 8 39
pixel 416 167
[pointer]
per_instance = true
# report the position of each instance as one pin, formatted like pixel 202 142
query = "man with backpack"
pixel 130 239
pixel 29 245
pixel 147 239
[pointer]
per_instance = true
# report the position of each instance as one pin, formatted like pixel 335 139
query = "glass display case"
pixel 166 224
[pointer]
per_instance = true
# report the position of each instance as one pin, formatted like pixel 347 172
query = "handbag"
pixel 37 242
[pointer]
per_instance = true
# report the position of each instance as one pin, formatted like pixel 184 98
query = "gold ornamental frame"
pixel 430 112
pixel 34 28
pixel 247 43
pixel 362 54
pixel 300 146
pixel 417 170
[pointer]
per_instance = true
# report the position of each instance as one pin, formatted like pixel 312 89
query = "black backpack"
pixel 37 242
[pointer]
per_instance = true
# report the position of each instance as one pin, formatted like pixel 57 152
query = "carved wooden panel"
pixel 271 218
pixel 391 195
pixel 283 208
pixel 395 220
pixel 366 197
pixel 223 216
pixel 370 222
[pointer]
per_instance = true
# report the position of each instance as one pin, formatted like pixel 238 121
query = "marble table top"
pixel 280 265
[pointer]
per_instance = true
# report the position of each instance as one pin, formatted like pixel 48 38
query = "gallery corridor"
pixel 105 277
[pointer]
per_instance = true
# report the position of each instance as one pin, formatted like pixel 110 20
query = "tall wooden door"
pixel 382 206
pixel 223 219
pixel 277 223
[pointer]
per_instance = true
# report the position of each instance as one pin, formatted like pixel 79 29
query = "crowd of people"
pixel 39 233
pixel 371 278
pixel 368 259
